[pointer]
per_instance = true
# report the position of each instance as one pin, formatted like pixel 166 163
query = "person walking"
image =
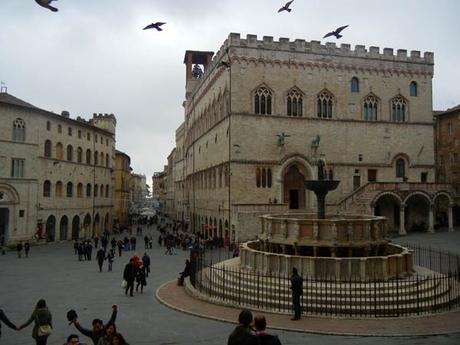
pixel 140 278
pixel 7 322
pixel 146 242
pixel 41 316
pixel 26 248
pixel 262 336
pixel 98 326
pixel 146 263
pixel 19 249
pixel 129 274
pixel 185 273
pixel 120 247
pixel 297 290
pixel 243 333
pixel 100 256
pixel 110 258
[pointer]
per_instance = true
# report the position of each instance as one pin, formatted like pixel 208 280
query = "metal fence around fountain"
pixel 435 290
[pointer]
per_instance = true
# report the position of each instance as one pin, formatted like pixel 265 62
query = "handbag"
pixel 124 284
pixel 43 330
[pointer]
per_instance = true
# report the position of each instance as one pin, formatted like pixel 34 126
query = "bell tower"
pixel 196 64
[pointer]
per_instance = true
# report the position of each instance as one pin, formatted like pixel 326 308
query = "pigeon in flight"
pixel 155 26
pixel 46 4
pixel 336 32
pixel 286 7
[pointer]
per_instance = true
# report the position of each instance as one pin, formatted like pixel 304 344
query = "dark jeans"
pixel 41 340
pixel 296 305
pixel 130 287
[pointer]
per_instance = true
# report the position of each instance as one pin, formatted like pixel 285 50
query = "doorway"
pixel 294 188
pixel 4 221
pixel 293 199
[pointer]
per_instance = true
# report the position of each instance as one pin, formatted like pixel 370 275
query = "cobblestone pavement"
pixel 54 273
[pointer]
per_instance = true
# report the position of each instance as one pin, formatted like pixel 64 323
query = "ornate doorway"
pixel 294 188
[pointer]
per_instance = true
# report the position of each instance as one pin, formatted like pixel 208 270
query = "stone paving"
pixel 54 273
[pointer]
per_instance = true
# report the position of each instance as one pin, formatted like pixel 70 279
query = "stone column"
pixel 431 219
pixel 402 220
pixel 450 215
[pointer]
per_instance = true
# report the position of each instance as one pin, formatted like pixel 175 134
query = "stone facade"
pixel 263 111
pixel 123 188
pixel 56 173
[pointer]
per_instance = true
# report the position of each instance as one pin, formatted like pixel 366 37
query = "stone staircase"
pixel 421 294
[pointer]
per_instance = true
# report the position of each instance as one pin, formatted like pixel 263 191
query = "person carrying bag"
pixel 43 323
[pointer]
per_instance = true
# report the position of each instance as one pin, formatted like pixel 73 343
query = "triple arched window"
pixel 19 130
pixel 325 104
pixel 399 109
pixel 264 178
pixel 294 103
pixel 370 107
pixel 263 101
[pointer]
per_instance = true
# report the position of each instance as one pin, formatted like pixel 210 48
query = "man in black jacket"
pixel 243 333
pixel 129 274
pixel 297 290
pixel 262 336
pixel 98 326
pixel 6 321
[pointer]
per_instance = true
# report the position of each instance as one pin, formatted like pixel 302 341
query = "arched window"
pixel 59 189
pixel 79 155
pixel 269 178
pixel 59 151
pixel 88 156
pixel 398 109
pixel 80 190
pixel 96 190
pixel 96 158
pixel 370 108
pixel 354 84
pixel 19 130
pixel 47 189
pixel 294 103
pixel 101 193
pixel 258 177
pixel 69 152
pixel 102 158
pixel 263 101
pixel 48 125
pixel 107 191
pixel 88 190
pixel 413 89
pixel 325 102
pixel 48 148
pixel 107 161
pixel 69 190
pixel 264 178
pixel 400 168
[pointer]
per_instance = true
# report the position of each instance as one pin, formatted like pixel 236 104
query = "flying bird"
pixel 155 26
pixel 46 4
pixel 336 32
pixel 286 7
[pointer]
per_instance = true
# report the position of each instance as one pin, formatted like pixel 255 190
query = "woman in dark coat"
pixel 140 278
pixel 41 316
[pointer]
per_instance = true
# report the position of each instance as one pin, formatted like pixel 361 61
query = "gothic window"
pixel 398 109
pixel 325 102
pixel 80 190
pixel 59 151
pixel 102 191
pixel 69 152
pixel 354 84
pixel 263 177
pixel 88 156
pixel 269 178
pixel 258 178
pixel 96 190
pixel 107 161
pixel 88 190
pixel 370 108
pixel 69 190
pixel 59 189
pixel 294 103
pixel 79 155
pixel 102 158
pixel 48 148
pixel 263 101
pixel 47 189
pixel 107 191
pixel 413 89
pixel 96 158
pixel 19 130
pixel 400 168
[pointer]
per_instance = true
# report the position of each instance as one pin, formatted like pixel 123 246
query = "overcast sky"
pixel 93 56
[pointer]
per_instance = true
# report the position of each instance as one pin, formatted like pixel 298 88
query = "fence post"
pixel 239 285
pixel 418 294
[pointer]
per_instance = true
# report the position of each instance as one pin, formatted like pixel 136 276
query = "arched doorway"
pixel 75 228
pixel 96 225
pixel 63 227
pixel 50 228
pixel 389 205
pixel 417 212
pixel 87 226
pixel 294 188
